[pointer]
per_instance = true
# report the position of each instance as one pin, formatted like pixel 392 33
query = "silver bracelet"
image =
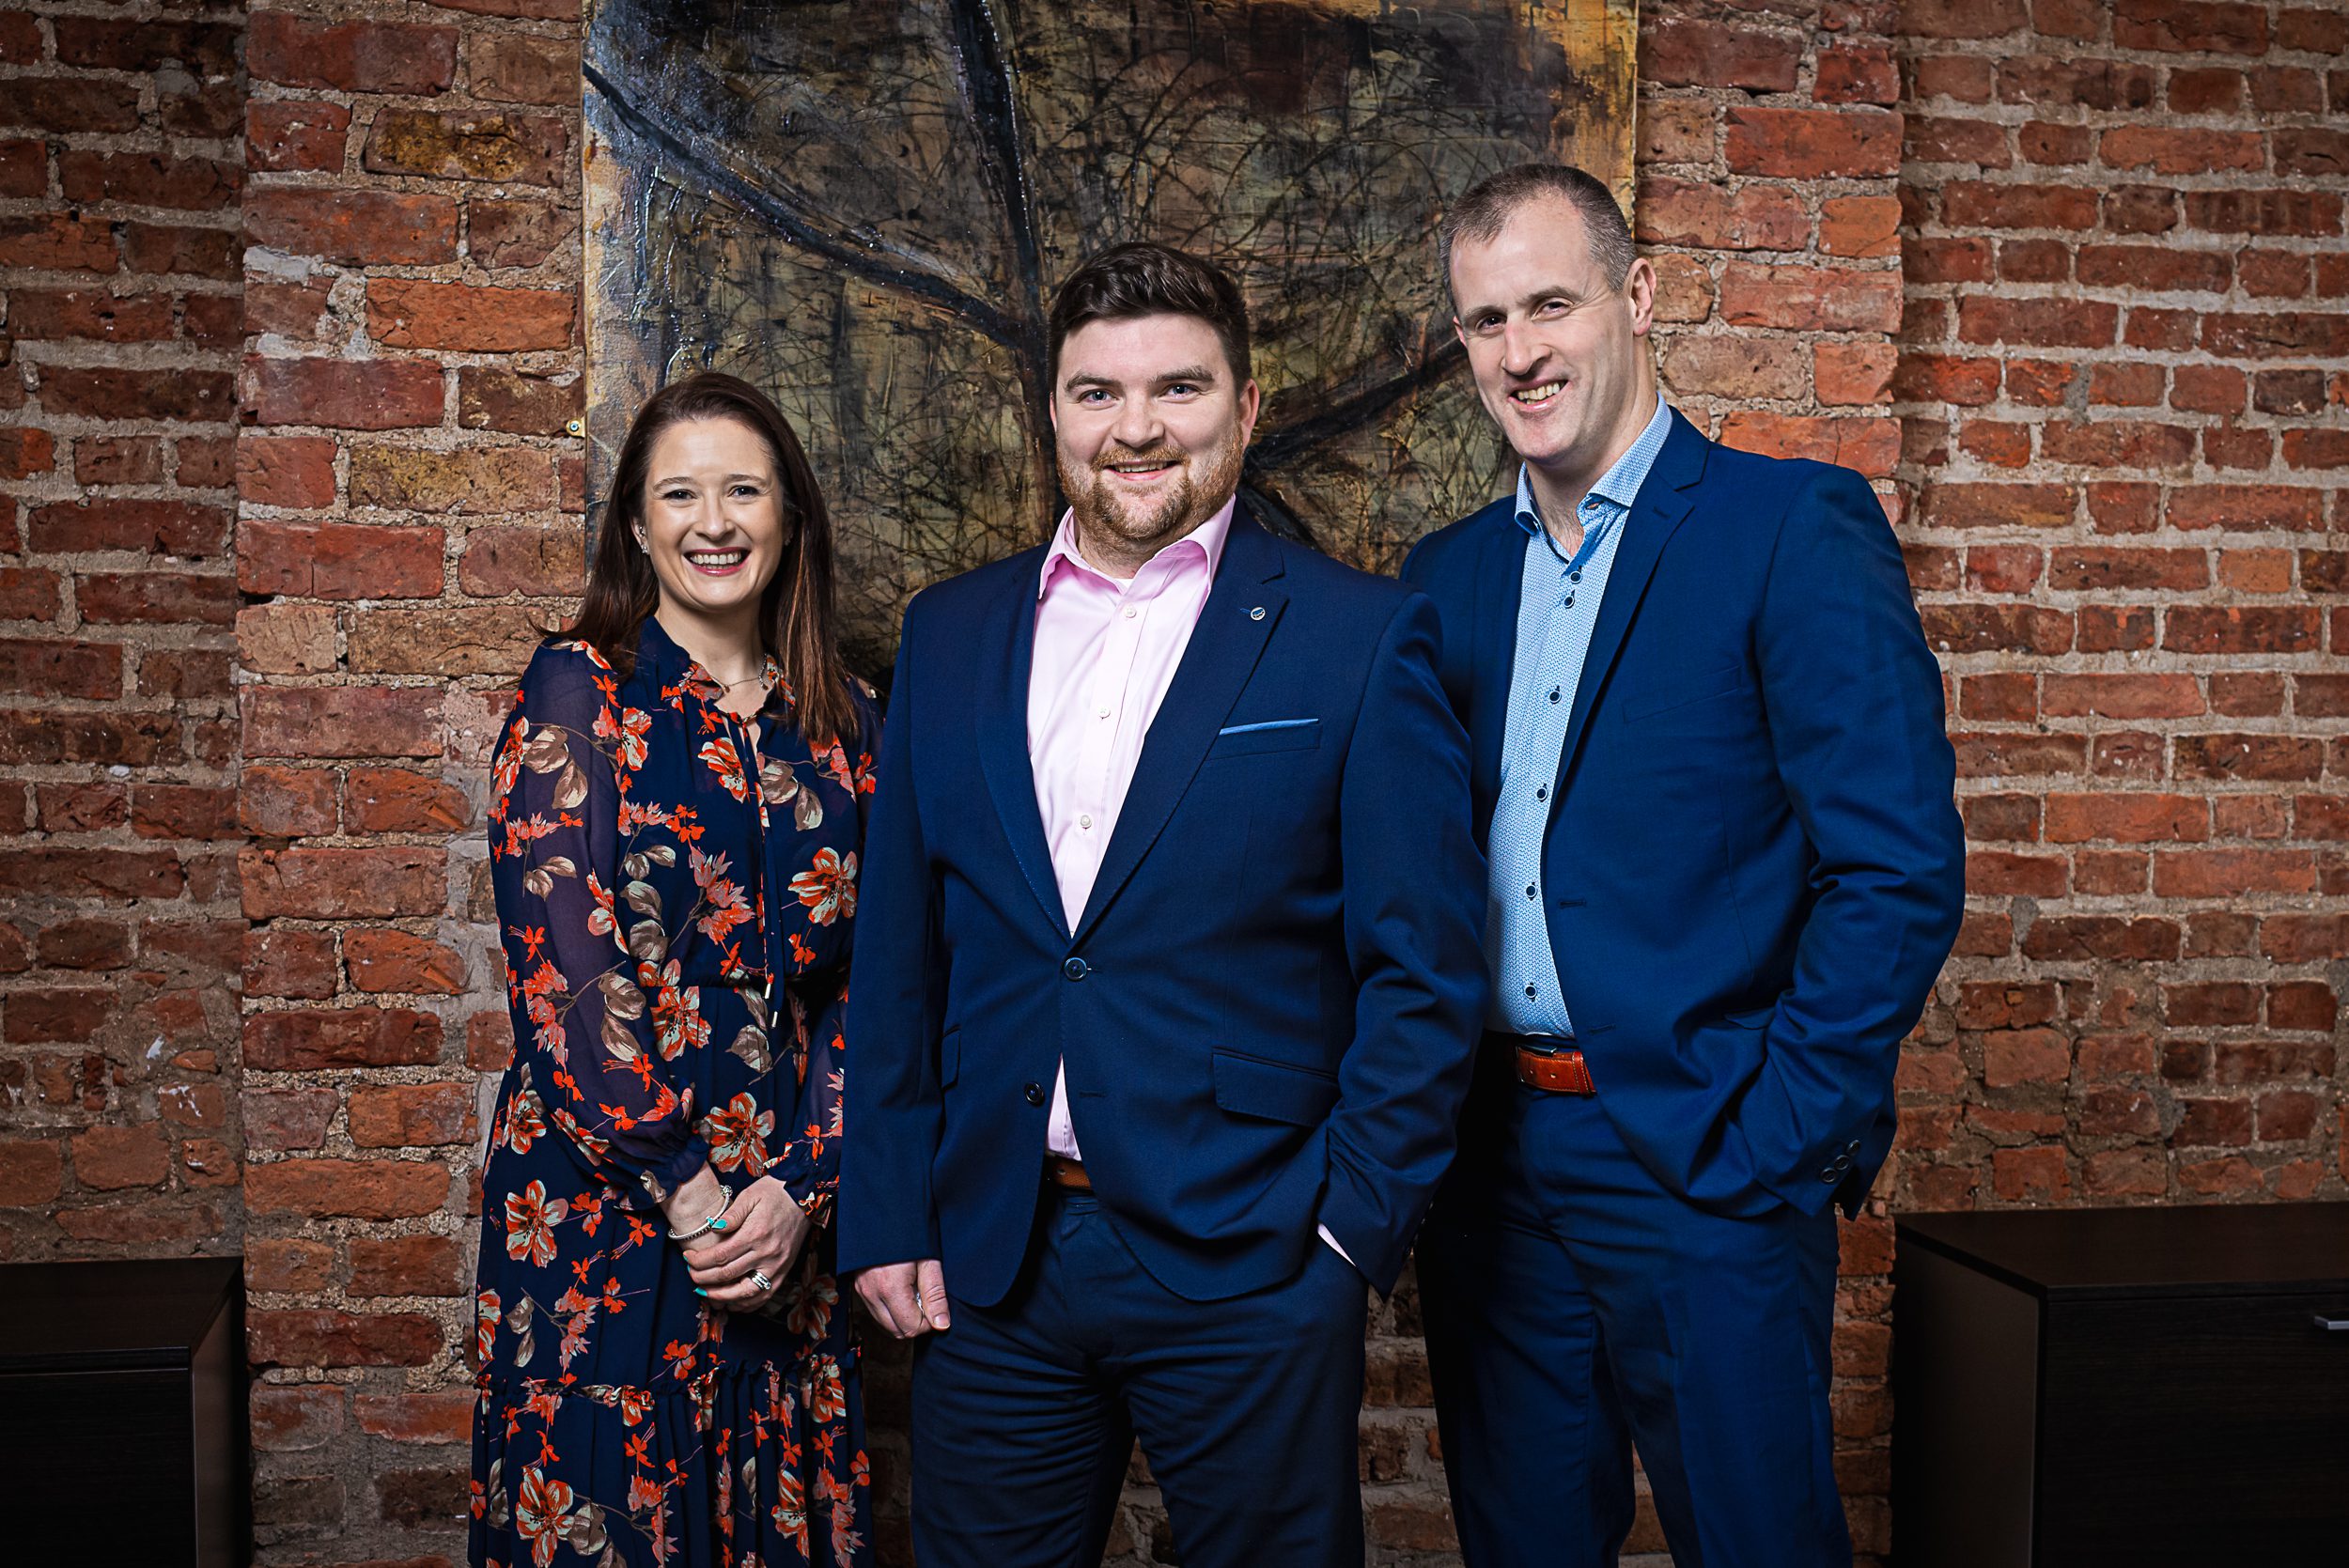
pixel 715 1222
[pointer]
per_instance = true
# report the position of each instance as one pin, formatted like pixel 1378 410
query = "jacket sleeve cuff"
pixel 1351 1221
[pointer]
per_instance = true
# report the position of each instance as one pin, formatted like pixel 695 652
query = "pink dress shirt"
pixel 1105 651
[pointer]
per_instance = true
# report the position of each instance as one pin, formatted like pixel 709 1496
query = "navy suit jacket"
pixel 1270 1008
pixel 1753 866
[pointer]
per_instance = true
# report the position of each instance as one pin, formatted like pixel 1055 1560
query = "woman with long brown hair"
pixel 666 1373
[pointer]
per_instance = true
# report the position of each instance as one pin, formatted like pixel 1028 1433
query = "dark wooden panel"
pixel 94 1467
pixel 2203 1250
pixel 220 1480
pixel 122 1414
pixel 2195 1432
pixel 150 1312
pixel 1966 1374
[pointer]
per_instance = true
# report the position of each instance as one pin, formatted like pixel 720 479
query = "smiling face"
pixel 1149 428
pixel 1555 348
pixel 712 521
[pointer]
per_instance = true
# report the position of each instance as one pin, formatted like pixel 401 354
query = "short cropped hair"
pixel 1141 278
pixel 1481 214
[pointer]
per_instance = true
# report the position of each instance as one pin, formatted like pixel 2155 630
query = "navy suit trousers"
pixel 1025 1412
pixel 1575 1307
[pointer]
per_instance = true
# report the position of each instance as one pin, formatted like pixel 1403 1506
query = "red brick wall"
pixel 118 925
pixel 2093 251
pixel 409 499
pixel 2124 366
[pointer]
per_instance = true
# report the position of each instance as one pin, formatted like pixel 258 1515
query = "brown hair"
pixel 796 617
pixel 1140 278
pixel 1490 203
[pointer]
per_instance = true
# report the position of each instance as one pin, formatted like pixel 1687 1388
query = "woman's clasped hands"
pixel 740 1263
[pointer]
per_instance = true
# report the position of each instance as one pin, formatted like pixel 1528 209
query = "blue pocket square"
pixel 1267 724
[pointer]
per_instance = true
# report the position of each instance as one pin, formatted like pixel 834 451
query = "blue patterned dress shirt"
pixel 1557 605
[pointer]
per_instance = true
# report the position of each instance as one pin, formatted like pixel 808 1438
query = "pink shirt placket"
pixel 1106 652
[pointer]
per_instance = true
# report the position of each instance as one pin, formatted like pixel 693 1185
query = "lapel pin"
pixel 1257 614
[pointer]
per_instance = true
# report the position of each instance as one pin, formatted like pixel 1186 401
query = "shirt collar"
pixel 1206 541
pixel 1620 485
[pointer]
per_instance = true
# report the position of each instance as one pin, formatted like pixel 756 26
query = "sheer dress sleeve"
pixel 581 1022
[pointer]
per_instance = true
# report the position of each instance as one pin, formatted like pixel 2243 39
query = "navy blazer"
pixel 1268 1010
pixel 1755 869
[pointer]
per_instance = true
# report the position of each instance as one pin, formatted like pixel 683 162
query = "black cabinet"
pixel 122 1413
pixel 2124 1387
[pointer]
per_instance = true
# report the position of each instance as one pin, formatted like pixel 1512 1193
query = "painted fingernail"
pixel 698 1290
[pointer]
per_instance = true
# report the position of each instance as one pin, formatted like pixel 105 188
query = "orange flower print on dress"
pixel 525 1121
pixel 828 887
pixel 627 733
pixel 840 1508
pixel 791 1510
pixel 530 1221
pixel 736 1133
pixel 826 1398
pixel 726 762
pixel 724 904
pixel 542 1512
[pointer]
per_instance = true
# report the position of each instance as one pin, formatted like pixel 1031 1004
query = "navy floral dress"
pixel 675 901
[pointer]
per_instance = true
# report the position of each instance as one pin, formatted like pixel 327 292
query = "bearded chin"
pixel 1099 508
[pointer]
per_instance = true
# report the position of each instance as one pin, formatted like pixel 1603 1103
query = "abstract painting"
pixel 864 205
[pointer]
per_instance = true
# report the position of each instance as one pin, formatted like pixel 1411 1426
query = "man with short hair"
pixel 1166 982
pixel 1709 764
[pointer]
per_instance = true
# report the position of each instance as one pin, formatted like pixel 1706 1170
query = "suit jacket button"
pixel 1033 1094
pixel 1831 1175
pixel 1075 969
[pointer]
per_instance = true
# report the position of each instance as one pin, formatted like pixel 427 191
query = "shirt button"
pixel 1529 893
pixel 1530 992
pixel 1131 612
pixel 1084 822
pixel 1033 1093
pixel 1574 577
pixel 1542 794
pixel 1569 602
pixel 1075 969
pixel 1101 713
pixel 1553 693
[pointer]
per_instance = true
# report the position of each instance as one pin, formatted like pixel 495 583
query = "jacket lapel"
pixel 1002 721
pixel 1243 607
pixel 1662 505
pixel 1499 587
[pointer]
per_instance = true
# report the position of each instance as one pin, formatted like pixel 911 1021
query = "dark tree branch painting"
pixel 864 205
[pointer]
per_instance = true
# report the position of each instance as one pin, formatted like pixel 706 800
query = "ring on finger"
pixel 760 1282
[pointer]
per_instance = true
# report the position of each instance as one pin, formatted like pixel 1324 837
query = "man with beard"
pixel 1166 980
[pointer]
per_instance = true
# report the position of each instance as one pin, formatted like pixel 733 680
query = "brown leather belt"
pixel 1069 1173
pixel 1561 1072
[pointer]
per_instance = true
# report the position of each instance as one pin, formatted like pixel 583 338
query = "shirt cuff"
pixel 1334 1247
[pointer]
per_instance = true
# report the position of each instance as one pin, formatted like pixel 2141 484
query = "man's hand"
pixel 908 1298
pixel 764 1231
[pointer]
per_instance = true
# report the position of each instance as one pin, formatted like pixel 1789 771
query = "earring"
pixel 641 545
